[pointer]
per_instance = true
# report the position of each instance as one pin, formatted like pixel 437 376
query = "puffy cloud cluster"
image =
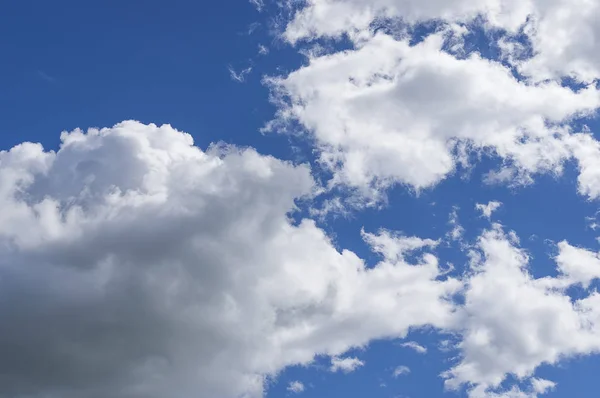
pixel 134 264
pixel 511 322
pixel 563 34
pixel 391 112
pixel 332 18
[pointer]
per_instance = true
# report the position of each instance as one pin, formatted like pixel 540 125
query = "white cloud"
pixel 487 210
pixel 334 17
pixel 576 266
pixel 296 387
pixel 512 323
pixel 345 365
pixel 542 386
pixel 563 33
pixel 388 113
pixel 413 345
pixel 133 264
pixel 401 371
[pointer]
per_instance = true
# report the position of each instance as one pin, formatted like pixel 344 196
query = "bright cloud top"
pixel 563 33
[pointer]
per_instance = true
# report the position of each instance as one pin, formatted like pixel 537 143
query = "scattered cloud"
pixel 345 365
pixel 401 371
pixel 296 387
pixel 487 210
pixel 512 323
pixel 413 345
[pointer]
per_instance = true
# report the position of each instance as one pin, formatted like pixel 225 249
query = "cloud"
pixel 457 232
pixel 345 365
pixel 262 49
pixel 511 323
pixel 413 345
pixel 332 18
pixel 401 371
pixel 577 266
pixel 542 386
pixel 487 210
pixel 562 34
pixel 388 112
pixel 134 264
pixel 296 387
pixel 259 4
pixel 240 76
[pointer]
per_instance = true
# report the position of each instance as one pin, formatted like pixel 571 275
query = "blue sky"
pixel 198 67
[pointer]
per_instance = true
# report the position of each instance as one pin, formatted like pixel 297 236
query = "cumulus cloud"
pixel 487 210
pixel 563 34
pixel 512 323
pixel 134 264
pixel 389 112
pixel 345 365
pixel 332 18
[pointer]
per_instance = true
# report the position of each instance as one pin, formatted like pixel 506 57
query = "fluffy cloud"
pixel 335 17
pixel 390 112
pixel 346 365
pixel 563 34
pixel 133 264
pixel 577 266
pixel 512 323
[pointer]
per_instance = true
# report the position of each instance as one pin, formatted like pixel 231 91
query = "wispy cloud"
pixel 44 76
pixel 240 76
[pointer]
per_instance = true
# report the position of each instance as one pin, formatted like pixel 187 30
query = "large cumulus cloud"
pixel 134 264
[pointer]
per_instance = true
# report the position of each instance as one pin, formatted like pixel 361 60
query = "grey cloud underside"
pixel 135 265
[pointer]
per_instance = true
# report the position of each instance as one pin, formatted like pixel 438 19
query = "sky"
pixel 281 198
